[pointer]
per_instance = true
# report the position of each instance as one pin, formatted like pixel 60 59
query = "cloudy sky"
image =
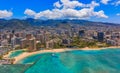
pixel 94 10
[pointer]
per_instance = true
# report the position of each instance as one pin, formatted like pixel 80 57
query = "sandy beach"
pixel 7 55
pixel 26 54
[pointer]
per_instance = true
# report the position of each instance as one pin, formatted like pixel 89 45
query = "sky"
pixel 93 10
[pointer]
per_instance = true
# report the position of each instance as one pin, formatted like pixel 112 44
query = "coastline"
pixel 26 54
pixel 7 55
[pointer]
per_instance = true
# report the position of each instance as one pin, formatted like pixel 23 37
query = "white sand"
pixel 26 54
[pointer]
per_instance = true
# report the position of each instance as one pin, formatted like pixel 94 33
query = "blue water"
pixel 16 53
pixel 103 61
pixel 20 68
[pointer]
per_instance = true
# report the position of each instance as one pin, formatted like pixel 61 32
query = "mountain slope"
pixel 22 24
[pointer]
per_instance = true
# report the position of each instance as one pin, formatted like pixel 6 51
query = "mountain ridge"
pixel 29 22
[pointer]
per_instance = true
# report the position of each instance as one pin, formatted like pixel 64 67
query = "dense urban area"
pixel 62 35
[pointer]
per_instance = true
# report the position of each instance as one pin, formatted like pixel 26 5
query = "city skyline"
pixel 93 10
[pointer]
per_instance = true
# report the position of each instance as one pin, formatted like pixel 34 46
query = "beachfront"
pixel 26 54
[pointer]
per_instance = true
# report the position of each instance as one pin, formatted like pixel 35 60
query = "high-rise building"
pixel 50 44
pixel 32 44
pixel 29 36
pixel 81 33
pixel 23 43
pixel 13 42
pixel 115 35
pixel 4 43
pixel 18 40
pixel 100 36
pixel 41 38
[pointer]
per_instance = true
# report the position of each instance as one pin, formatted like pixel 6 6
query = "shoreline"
pixel 7 55
pixel 26 54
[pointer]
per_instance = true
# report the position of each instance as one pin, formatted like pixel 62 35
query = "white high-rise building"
pixel 4 43
pixel 13 42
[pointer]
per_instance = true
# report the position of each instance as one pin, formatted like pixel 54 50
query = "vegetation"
pixel 1 57
pixel 81 43
pixel 39 45
pixel 31 23
pixel 17 47
pixel 58 45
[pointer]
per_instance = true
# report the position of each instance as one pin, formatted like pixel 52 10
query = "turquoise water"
pixel 103 61
pixel 16 53
pixel 20 68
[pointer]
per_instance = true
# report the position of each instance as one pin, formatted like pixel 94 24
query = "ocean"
pixel 77 61
pixel 16 53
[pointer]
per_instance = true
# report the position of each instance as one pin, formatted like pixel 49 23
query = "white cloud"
pixel 105 1
pixel 65 4
pixel 117 3
pixel 118 14
pixel 29 12
pixel 5 14
pixel 66 9
pixel 71 4
pixel 57 4
pixel 101 14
